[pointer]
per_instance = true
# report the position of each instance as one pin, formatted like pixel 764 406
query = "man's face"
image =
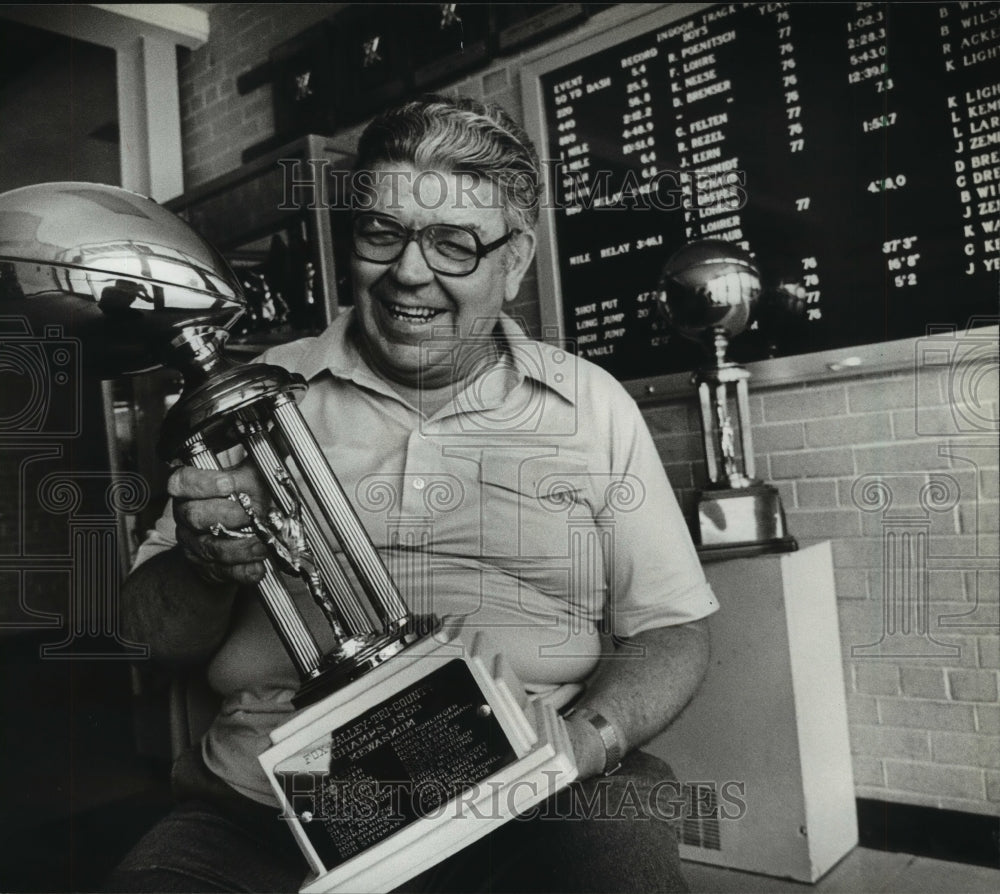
pixel 401 304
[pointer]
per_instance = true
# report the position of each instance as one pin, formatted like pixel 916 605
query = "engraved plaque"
pixel 403 759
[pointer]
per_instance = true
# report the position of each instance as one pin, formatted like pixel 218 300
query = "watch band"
pixel 613 752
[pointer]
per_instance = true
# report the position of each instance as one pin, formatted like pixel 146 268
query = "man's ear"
pixel 520 253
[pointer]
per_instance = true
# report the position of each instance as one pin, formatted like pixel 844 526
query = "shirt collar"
pixel 335 351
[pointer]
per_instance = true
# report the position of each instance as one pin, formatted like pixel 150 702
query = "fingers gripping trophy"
pixel 140 289
pixel 708 290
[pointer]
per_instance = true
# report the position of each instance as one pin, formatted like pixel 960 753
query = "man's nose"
pixel 411 266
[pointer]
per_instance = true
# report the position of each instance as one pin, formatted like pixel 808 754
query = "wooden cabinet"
pixel 276 220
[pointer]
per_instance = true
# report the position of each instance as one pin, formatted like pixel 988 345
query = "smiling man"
pixel 506 483
pixel 427 262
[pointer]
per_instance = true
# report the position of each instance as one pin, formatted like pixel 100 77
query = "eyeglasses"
pixel 447 248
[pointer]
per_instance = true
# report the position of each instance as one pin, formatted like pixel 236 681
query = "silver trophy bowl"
pixel 141 289
pixel 112 268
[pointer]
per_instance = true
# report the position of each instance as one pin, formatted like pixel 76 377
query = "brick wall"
pixel 919 627
pixel 920 653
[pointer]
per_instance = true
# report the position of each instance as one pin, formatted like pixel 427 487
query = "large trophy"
pixel 708 289
pixel 411 739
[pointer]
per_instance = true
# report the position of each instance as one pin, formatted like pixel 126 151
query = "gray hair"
pixel 460 135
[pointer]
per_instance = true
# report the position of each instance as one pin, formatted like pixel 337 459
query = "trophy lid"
pixel 112 268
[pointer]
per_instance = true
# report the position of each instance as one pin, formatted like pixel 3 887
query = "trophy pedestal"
pixel 410 763
pixel 742 520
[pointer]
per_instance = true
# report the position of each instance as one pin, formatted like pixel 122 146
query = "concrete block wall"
pixel 913 519
pixel 894 469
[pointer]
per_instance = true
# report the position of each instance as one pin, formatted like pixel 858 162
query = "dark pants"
pixel 604 834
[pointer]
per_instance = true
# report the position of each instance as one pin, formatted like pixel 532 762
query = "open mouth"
pixel 411 314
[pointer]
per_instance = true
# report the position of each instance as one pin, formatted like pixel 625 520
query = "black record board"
pixel 850 147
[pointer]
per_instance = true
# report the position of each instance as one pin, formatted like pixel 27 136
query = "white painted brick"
pixel 812 463
pixel 876 678
pixel 968 651
pixel 857 552
pixel 828 525
pixel 814 494
pixel 860 626
pixel 973 685
pixel 979 517
pixel 983 586
pixel 946 585
pixel 813 403
pixel 867 770
pixel 932 779
pixel 923 682
pixel 861 709
pixel 993 786
pixel 879 395
pixel 989 651
pixel 870 428
pixel 967 749
pixel 880 492
pixel 926 714
pixel 902 457
pixel 883 741
pixel 989 484
pixel 851 583
pixel 779 436
pixel 988 719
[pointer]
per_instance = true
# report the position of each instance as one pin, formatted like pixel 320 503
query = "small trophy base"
pixel 735 522
pixel 410 763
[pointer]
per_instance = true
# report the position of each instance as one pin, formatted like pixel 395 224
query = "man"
pixel 560 525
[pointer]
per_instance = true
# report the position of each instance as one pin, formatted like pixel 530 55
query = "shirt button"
pixel 419 483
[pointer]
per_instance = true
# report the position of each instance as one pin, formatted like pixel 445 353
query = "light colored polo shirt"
pixel 533 506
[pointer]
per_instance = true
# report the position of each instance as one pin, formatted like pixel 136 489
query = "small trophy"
pixel 709 288
pixel 411 739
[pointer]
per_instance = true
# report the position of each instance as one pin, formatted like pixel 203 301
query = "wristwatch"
pixel 613 752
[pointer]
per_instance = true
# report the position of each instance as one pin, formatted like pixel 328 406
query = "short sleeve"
pixel 160 538
pixel 655 576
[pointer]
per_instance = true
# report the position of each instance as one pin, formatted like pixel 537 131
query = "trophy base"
pixel 413 761
pixel 342 670
pixel 742 521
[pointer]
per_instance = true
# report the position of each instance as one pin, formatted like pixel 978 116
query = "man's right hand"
pixel 202 499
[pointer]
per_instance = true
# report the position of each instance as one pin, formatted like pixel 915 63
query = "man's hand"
pixel 203 499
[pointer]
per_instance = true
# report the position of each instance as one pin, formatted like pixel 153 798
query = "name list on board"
pixel 853 149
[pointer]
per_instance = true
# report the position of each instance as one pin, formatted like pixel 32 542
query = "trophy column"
pixel 710 287
pixel 254 406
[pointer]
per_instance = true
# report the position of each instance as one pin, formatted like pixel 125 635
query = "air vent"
pixel 701 821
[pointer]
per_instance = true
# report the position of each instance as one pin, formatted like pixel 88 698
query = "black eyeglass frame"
pixel 418 235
